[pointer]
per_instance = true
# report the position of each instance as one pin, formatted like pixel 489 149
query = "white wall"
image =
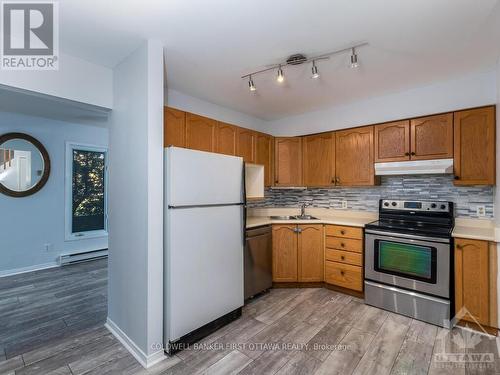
pixel 497 193
pixel 76 80
pixel 31 222
pixel 135 306
pixel 469 91
pixel 201 107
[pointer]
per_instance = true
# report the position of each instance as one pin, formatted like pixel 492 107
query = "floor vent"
pixel 68 259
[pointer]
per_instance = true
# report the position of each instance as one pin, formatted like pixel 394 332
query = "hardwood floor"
pixel 51 322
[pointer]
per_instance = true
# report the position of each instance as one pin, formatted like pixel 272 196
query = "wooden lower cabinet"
pixel 344 275
pixel 475 281
pixel 344 257
pixel 298 253
pixel 285 250
pixel 310 253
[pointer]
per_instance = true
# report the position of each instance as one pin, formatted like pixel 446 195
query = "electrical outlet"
pixel 48 247
pixel 481 211
pixel 343 204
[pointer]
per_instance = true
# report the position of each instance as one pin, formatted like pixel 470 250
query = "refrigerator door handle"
pixel 244 228
pixel 204 205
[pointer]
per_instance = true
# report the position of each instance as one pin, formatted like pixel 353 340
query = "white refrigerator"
pixel 203 243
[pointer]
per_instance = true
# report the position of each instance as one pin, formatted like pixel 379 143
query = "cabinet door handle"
pixel 342 244
pixel 342 273
pixel 412 153
pixel 459 247
pixel 333 180
pixel 407 154
pixel 342 257
pixel 342 232
pixel 337 180
pixel 456 177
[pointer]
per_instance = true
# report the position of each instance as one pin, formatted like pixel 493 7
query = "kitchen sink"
pixel 294 217
pixel 305 217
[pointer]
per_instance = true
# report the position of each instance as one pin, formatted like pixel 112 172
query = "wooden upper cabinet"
pixel 288 161
pixel 432 137
pixel 318 159
pixel 392 141
pixel 310 253
pixel 474 146
pixel 472 279
pixel 226 139
pixel 354 157
pixel 264 156
pixel 174 130
pixel 245 145
pixel 285 253
pixel 200 132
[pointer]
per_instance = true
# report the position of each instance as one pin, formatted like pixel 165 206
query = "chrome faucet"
pixel 303 209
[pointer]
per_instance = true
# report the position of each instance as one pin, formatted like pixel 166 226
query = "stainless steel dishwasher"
pixel 258 260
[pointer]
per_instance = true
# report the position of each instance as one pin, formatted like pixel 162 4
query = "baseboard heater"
pixel 86 256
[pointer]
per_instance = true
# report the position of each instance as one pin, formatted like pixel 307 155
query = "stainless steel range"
pixel 408 259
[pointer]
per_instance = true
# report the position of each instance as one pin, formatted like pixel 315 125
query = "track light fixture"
pixel 251 85
pixel 299 59
pixel 280 77
pixel 314 71
pixel 354 59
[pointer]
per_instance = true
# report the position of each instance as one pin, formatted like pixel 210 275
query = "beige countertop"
pixel 258 217
pixel 476 229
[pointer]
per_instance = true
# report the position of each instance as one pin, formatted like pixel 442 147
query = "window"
pixel 86 191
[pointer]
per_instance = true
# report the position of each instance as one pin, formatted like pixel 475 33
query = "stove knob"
pixel 386 204
pixel 394 204
pixel 433 205
pixel 443 207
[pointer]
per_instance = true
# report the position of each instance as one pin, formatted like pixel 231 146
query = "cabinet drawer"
pixel 344 275
pixel 346 244
pixel 355 259
pixel 345 232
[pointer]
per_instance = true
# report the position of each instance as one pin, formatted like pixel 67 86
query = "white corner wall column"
pixel 135 306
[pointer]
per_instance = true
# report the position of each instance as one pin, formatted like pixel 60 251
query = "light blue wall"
pixel 27 224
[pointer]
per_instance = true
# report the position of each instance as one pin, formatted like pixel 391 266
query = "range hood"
pixel 438 166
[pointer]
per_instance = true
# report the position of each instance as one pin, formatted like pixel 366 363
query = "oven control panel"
pixel 388 204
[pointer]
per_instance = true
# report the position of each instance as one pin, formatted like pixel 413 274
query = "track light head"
pixel 251 85
pixel 280 78
pixel 354 59
pixel 314 70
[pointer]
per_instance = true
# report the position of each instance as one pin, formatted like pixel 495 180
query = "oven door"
pixel 408 261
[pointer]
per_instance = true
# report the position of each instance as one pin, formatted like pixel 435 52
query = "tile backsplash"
pixel 422 187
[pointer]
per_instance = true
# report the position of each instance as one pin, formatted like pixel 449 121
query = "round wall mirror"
pixel 24 165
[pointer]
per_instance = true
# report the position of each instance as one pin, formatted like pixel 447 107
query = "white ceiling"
pixel 210 44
